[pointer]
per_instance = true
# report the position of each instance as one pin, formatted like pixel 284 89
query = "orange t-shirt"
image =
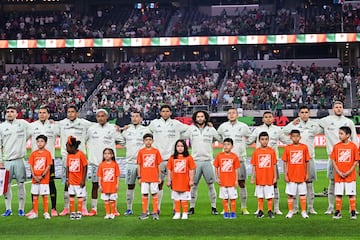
pixel 39 160
pixel 109 173
pixel 264 160
pixel 227 163
pixel 296 157
pixel 149 160
pixel 180 168
pixel 76 163
pixel 345 155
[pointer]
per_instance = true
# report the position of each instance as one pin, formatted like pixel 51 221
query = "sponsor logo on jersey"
pixel 296 157
pixel 180 166
pixel 39 163
pixel 344 155
pixel 226 165
pixel 74 165
pixel 108 174
pixel 264 160
pixel 149 160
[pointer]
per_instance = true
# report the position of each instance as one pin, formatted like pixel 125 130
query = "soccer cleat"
pixel 222 212
pixel 226 215
pixel 84 212
pixel 295 211
pixel 54 212
pixel 214 211
pixel 176 216
pixel 29 213
pixel 337 214
pixel 270 214
pixel 128 212
pixel 21 213
pixel 232 215
pixel 78 216
pixel 65 212
pixel 244 211
pixel 47 216
pixel 260 214
pixel 155 216
pixel 143 216
pixel 329 211
pixel 312 211
pixel 72 216
pixel 191 211
pixel 7 213
pixel 93 212
pixel 184 216
pixel 32 216
pixel 353 214
pixel 304 214
pixel 278 212
pixel 290 214
pixel 107 216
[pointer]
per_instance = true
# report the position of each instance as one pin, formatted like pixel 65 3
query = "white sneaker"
pixel 304 214
pixel 312 211
pixel 256 212
pixel 184 216
pixel 47 216
pixel 112 216
pixel 107 216
pixel 176 216
pixel 329 211
pixel 290 214
pixel 32 216
pixel 278 212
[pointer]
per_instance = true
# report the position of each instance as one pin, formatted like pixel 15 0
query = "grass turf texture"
pixel 200 226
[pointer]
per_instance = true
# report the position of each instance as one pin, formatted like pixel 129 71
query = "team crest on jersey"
pixel 74 165
pixel 344 155
pixel 264 160
pixel 108 174
pixel 180 166
pixel 39 163
pixel 296 157
pixel 226 165
pixel 149 160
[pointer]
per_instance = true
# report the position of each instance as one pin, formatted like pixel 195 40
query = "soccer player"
pixel 330 127
pixel 13 136
pixel 264 174
pixel 76 170
pixel 109 176
pixel 99 136
pixel 226 167
pixel 149 160
pixel 51 130
pixel 201 137
pixel 296 159
pixel 40 162
pixel 275 135
pixel 165 131
pixel 77 127
pixel 132 139
pixel 345 157
pixel 308 129
pixel 181 167
pixel 238 132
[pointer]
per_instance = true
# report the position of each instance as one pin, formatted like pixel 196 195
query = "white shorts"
pixel 348 187
pixel 40 189
pixel 228 193
pixel 77 191
pixel 293 188
pixel 109 196
pixel 266 191
pixel 177 196
pixel 149 188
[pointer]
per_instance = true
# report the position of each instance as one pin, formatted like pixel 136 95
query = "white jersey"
pixel 76 128
pixel 98 138
pixel 308 131
pixel 201 140
pixel 238 132
pixel 132 139
pixel 330 127
pixel 13 136
pixel 166 133
pixel 50 130
pixel 275 135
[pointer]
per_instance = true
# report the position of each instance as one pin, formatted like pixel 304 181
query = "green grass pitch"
pixel 202 225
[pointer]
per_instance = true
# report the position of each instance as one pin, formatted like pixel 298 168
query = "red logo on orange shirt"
pixel 39 163
pixel 344 155
pixel 264 160
pixel 149 160
pixel 180 166
pixel 226 165
pixel 108 174
pixel 296 157
pixel 74 165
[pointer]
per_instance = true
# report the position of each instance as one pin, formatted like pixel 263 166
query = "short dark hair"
pixel 41 136
pixel 304 107
pixel 267 112
pixel 137 112
pixel 10 107
pixel 74 107
pixel 295 131
pixel 263 134
pixel 148 135
pixel 45 107
pixel 165 106
pixel 229 140
pixel 346 129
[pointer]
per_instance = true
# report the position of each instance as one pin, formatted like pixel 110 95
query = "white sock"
pixel 212 194
pixel 21 195
pixel 94 203
pixel 276 199
pixel 8 198
pixel 310 195
pixel 331 194
pixel 193 192
pixel 243 197
pixel 160 195
pixel 66 199
pixel 129 198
